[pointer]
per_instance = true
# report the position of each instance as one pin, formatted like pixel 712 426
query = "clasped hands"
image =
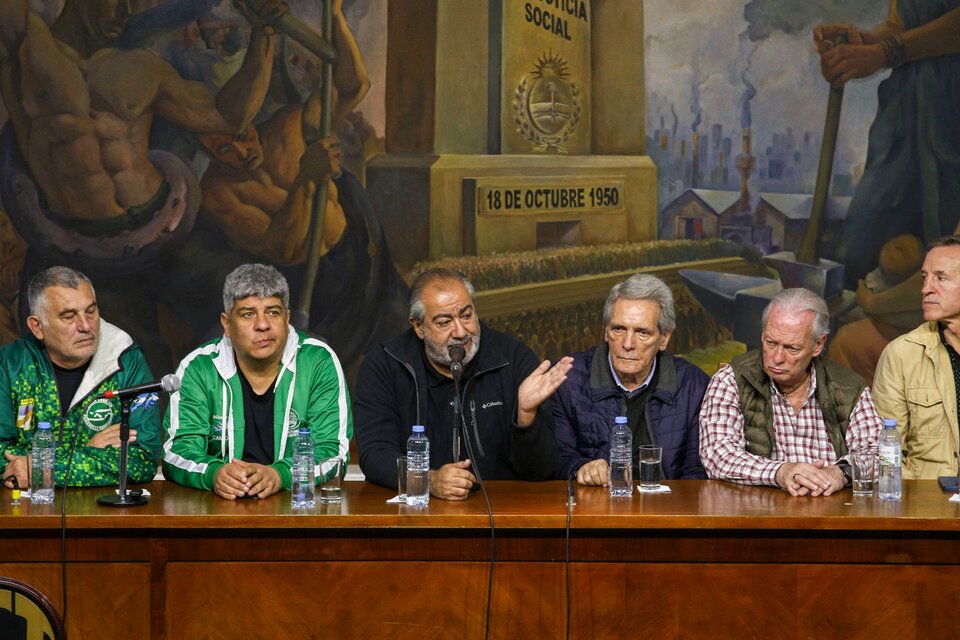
pixel 856 55
pixel 817 478
pixel 238 478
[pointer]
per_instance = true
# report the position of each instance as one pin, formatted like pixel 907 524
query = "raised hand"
pixel 539 386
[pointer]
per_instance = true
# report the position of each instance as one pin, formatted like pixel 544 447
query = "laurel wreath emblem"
pixel 526 128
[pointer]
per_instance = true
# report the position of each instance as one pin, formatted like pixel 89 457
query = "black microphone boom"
pixel 169 384
pixel 457 354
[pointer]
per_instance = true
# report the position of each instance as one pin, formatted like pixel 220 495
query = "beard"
pixel 438 352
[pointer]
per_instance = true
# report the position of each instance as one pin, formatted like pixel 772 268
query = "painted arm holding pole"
pixel 344 86
pixel 847 53
pixel 889 45
pixel 808 252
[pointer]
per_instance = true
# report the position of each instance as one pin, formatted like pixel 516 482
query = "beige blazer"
pixel 914 385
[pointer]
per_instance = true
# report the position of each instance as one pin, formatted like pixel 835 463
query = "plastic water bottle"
pixel 41 476
pixel 303 487
pixel 621 458
pixel 418 468
pixel 890 486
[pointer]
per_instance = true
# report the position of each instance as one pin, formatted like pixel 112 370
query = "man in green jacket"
pixel 232 425
pixel 58 372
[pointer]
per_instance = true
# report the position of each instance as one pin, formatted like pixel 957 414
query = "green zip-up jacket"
pixel 28 395
pixel 205 423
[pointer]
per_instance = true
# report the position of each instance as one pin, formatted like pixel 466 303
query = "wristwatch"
pixel 844 467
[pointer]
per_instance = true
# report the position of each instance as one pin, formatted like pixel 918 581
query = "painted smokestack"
pixel 744 163
pixel 695 172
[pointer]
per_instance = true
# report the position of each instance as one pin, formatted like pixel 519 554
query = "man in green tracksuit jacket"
pixel 232 425
pixel 58 372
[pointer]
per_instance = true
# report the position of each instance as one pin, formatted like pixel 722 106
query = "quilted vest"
pixel 837 392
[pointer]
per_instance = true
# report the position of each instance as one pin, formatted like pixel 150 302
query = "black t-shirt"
pixel 68 381
pixel 258 423
pixel 954 361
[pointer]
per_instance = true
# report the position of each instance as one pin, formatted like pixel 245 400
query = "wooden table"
pixel 708 560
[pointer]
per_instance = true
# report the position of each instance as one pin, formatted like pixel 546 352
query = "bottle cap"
pixel 620 420
pixel 889 423
pixel 43 425
pixel 418 428
pixel 304 431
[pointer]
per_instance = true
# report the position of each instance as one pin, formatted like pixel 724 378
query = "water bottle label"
pixel 890 456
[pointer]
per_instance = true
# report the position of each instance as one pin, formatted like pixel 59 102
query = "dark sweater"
pixel 391 396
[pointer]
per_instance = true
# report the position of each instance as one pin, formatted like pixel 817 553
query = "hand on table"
pixel 595 472
pixel 238 478
pixel 452 481
pixel 810 479
pixel 17 467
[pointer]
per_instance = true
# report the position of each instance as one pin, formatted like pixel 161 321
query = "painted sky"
pixel 702 58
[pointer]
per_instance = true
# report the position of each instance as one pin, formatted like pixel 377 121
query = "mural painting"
pixel 155 145
pixel 893 180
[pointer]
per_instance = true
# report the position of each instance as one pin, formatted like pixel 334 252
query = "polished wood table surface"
pixel 709 559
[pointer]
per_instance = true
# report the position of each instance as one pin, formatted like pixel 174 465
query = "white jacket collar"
pixel 106 360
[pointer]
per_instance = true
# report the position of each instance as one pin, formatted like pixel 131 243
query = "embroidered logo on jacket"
pixel 293 419
pixel 25 414
pixel 145 401
pixel 217 426
pixel 98 414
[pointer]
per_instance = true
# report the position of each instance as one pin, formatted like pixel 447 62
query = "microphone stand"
pixel 457 412
pixel 123 497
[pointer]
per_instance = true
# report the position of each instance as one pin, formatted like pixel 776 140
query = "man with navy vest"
pixel 631 374
pixel 783 416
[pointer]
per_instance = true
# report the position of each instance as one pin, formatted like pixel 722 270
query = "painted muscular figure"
pixel 260 189
pixel 82 110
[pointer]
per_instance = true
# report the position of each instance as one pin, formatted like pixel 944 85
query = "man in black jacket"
pixel 506 422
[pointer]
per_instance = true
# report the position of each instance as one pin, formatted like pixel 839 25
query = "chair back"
pixel 25 613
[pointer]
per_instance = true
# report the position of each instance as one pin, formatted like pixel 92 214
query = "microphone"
pixel 169 383
pixel 457 354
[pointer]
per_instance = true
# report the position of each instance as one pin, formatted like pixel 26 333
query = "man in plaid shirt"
pixel 783 416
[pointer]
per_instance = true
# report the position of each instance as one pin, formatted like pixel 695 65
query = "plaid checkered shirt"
pixel 798 437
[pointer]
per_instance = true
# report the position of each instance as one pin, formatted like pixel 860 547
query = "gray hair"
pixel 260 280
pixel 425 279
pixel 643 286
pixel 797 301
pixel 945 241
pixel 53 277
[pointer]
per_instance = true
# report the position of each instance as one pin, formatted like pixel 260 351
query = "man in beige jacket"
pixel 918 375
